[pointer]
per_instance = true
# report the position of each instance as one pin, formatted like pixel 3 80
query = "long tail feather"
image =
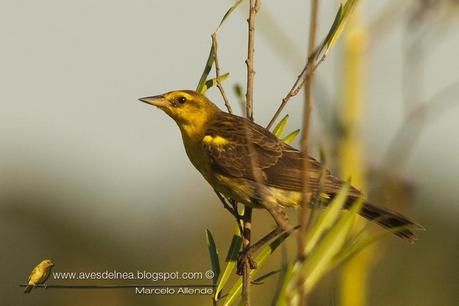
pixel 388 219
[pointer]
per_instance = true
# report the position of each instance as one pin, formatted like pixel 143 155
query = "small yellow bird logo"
pixel 39 274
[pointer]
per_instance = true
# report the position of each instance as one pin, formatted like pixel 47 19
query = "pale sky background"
pixel 71 73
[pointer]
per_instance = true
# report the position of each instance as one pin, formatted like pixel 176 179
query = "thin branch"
pixel 254 6
pixel 411 128
pixel 297 86
pixel 305 147
pixel 217 73
pixel 414 110
pixel 318 55
pixel 246 280
pixel 386 21
pixel 271 235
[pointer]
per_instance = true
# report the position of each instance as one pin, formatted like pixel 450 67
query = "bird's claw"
pixel 245 256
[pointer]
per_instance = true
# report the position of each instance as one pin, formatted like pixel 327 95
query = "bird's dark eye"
pixel 181 100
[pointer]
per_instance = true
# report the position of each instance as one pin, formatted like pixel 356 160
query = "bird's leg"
pixel 278 214
pixel 248 252
pixel 244 228
pixel 239 221
pixel 45 286
pixel 260 243
pixel 245 260
pixel 231 208
pixel 265 239
pixel 281 220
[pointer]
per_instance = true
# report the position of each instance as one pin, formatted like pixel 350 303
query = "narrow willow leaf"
pixel 332 35
pixel 228 13
pixel 213 82
pixel 341 18
pixel 279 297
pixel 231 259
pixel 280 127
pixel 260 259
pixel 291 137
pixel 210 58
pixel 326 219
pixel 282 298
pixel 345 14
pixel 265 276
pixel 239 92
pixel 323 155
pixel 358 246
pixel 205 73
pixel 213 255
pixel 320 259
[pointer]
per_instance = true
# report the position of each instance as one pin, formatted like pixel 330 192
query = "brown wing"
pixel 281 164
pixel 234 158
pixel 287 174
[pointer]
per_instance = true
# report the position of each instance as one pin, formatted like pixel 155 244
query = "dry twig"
pixel 254 6
pixel 305 148
pixel 217 73
pixel 297 86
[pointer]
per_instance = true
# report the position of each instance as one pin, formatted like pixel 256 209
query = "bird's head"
pixel 190 109
pixel 46 263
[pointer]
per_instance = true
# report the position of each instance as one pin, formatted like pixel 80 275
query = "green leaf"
pixel 265 276
pixel 345 13
pixel 320 258
pixel 210 59
pixel 326 219
pixel 341 19
pixel 358 246
pixel 231 259
pixel 323 155
pixel 205 73
pixel 280 127
pixel 228 13
pixel 319 261
pixel 213 82
pixel 279 298
pixel 260 259
pixel 213 255
pixel 290 137
pixel 332 36
pixel 239 92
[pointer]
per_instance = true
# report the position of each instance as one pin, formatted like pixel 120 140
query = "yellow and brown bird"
pixel 223 147
pixel 39 274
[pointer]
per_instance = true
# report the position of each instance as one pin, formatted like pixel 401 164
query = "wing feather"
pixel 281 164
pixel 234 157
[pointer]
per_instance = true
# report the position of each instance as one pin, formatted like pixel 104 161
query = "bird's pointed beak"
pixel 159 101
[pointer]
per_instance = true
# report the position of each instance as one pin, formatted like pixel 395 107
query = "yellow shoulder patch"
pixel 217 140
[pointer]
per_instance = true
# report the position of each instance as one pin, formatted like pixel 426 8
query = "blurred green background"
pixel 96 180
